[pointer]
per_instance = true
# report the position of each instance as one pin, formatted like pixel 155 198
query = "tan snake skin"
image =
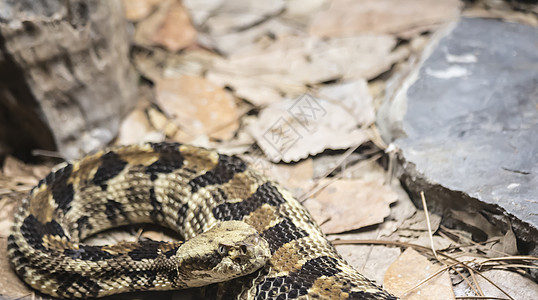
pixel 189 190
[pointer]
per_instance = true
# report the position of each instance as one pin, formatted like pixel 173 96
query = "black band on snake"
pixel 207 198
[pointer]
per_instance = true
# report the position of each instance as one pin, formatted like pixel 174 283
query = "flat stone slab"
pixel 467 120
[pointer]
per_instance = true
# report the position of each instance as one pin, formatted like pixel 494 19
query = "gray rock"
pixel 466 122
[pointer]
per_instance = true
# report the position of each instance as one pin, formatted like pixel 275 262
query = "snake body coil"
pixel 190 190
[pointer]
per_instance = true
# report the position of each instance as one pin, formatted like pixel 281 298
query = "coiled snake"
pixel 208 198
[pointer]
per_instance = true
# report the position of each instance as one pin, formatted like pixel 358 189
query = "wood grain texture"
pixel 66 78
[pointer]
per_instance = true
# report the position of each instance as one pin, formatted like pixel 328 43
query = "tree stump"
pixel 65 75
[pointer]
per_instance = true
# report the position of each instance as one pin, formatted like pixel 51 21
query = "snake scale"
pixel 213 200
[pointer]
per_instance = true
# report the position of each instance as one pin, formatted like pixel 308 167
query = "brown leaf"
pixel 507 244
pixel 418 222
pixel 10 284
pixel 371 260
pixel 22 173
pixel 297 178
pixel 224 16
pixel 415 230
pixel 264 33
pixel 136 10
pixel 409 270
pixel 476 220
pixel 349 17
pixel 160 122
pixel 16 168
pixel 169 27
pixel 516 285
pixel 176 31
pixel 483 10
pixel 349 204
pixel 355 97
pixel 199 107
pixel 159 63
pixel 294 129
pixel 263 73
pixel 135 128
pixel 439 243
pixel 157 236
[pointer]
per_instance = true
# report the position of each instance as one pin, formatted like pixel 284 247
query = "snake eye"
pixel 243 249
pixel 223 250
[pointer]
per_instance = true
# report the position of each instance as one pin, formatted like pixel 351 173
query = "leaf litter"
pixel 292 87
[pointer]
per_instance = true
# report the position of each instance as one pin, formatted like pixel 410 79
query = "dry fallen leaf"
pixel 264 73
pixel 439 242
pixel 476 223
pixel 157 63
pixel 295 177
pixel 349 17
pixel 10 284
pixel 22 173
pixel 516 285
pixel 371 260
pixel 176 31
pixel 414 229
pixel 409 270
pixel 264 33
pixel 301 10
pixel 349 204
pixel 507 244
pixel 225 16
pixel 169 27
pixel 161 123
pixel 199 107
pixel 418 222
pixel 136 10
pixel 135 128
pixel 363 56
pixel 503 13
pixel 355 97
pixel 291 130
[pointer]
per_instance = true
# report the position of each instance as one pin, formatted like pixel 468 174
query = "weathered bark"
pixel 65 77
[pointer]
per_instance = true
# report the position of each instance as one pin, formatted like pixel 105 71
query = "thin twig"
pixel 403 244
pixel 501 267
pixel 514 257
pixel 327 173
pixel 429 225
pixel 47 153
pixel 315 189
pixel 481 297
pixel 429 278
pixel 491 282
pixel 139 233
pixel 471 272
pixel 478 290
pixel 473 243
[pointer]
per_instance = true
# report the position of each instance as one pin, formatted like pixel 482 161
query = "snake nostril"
pixel 243 249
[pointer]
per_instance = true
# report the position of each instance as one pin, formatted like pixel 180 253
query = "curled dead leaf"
pixel 350 204
pixel 409 270
pixel 198 106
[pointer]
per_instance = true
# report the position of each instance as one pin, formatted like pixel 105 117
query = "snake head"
pixel 228 250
